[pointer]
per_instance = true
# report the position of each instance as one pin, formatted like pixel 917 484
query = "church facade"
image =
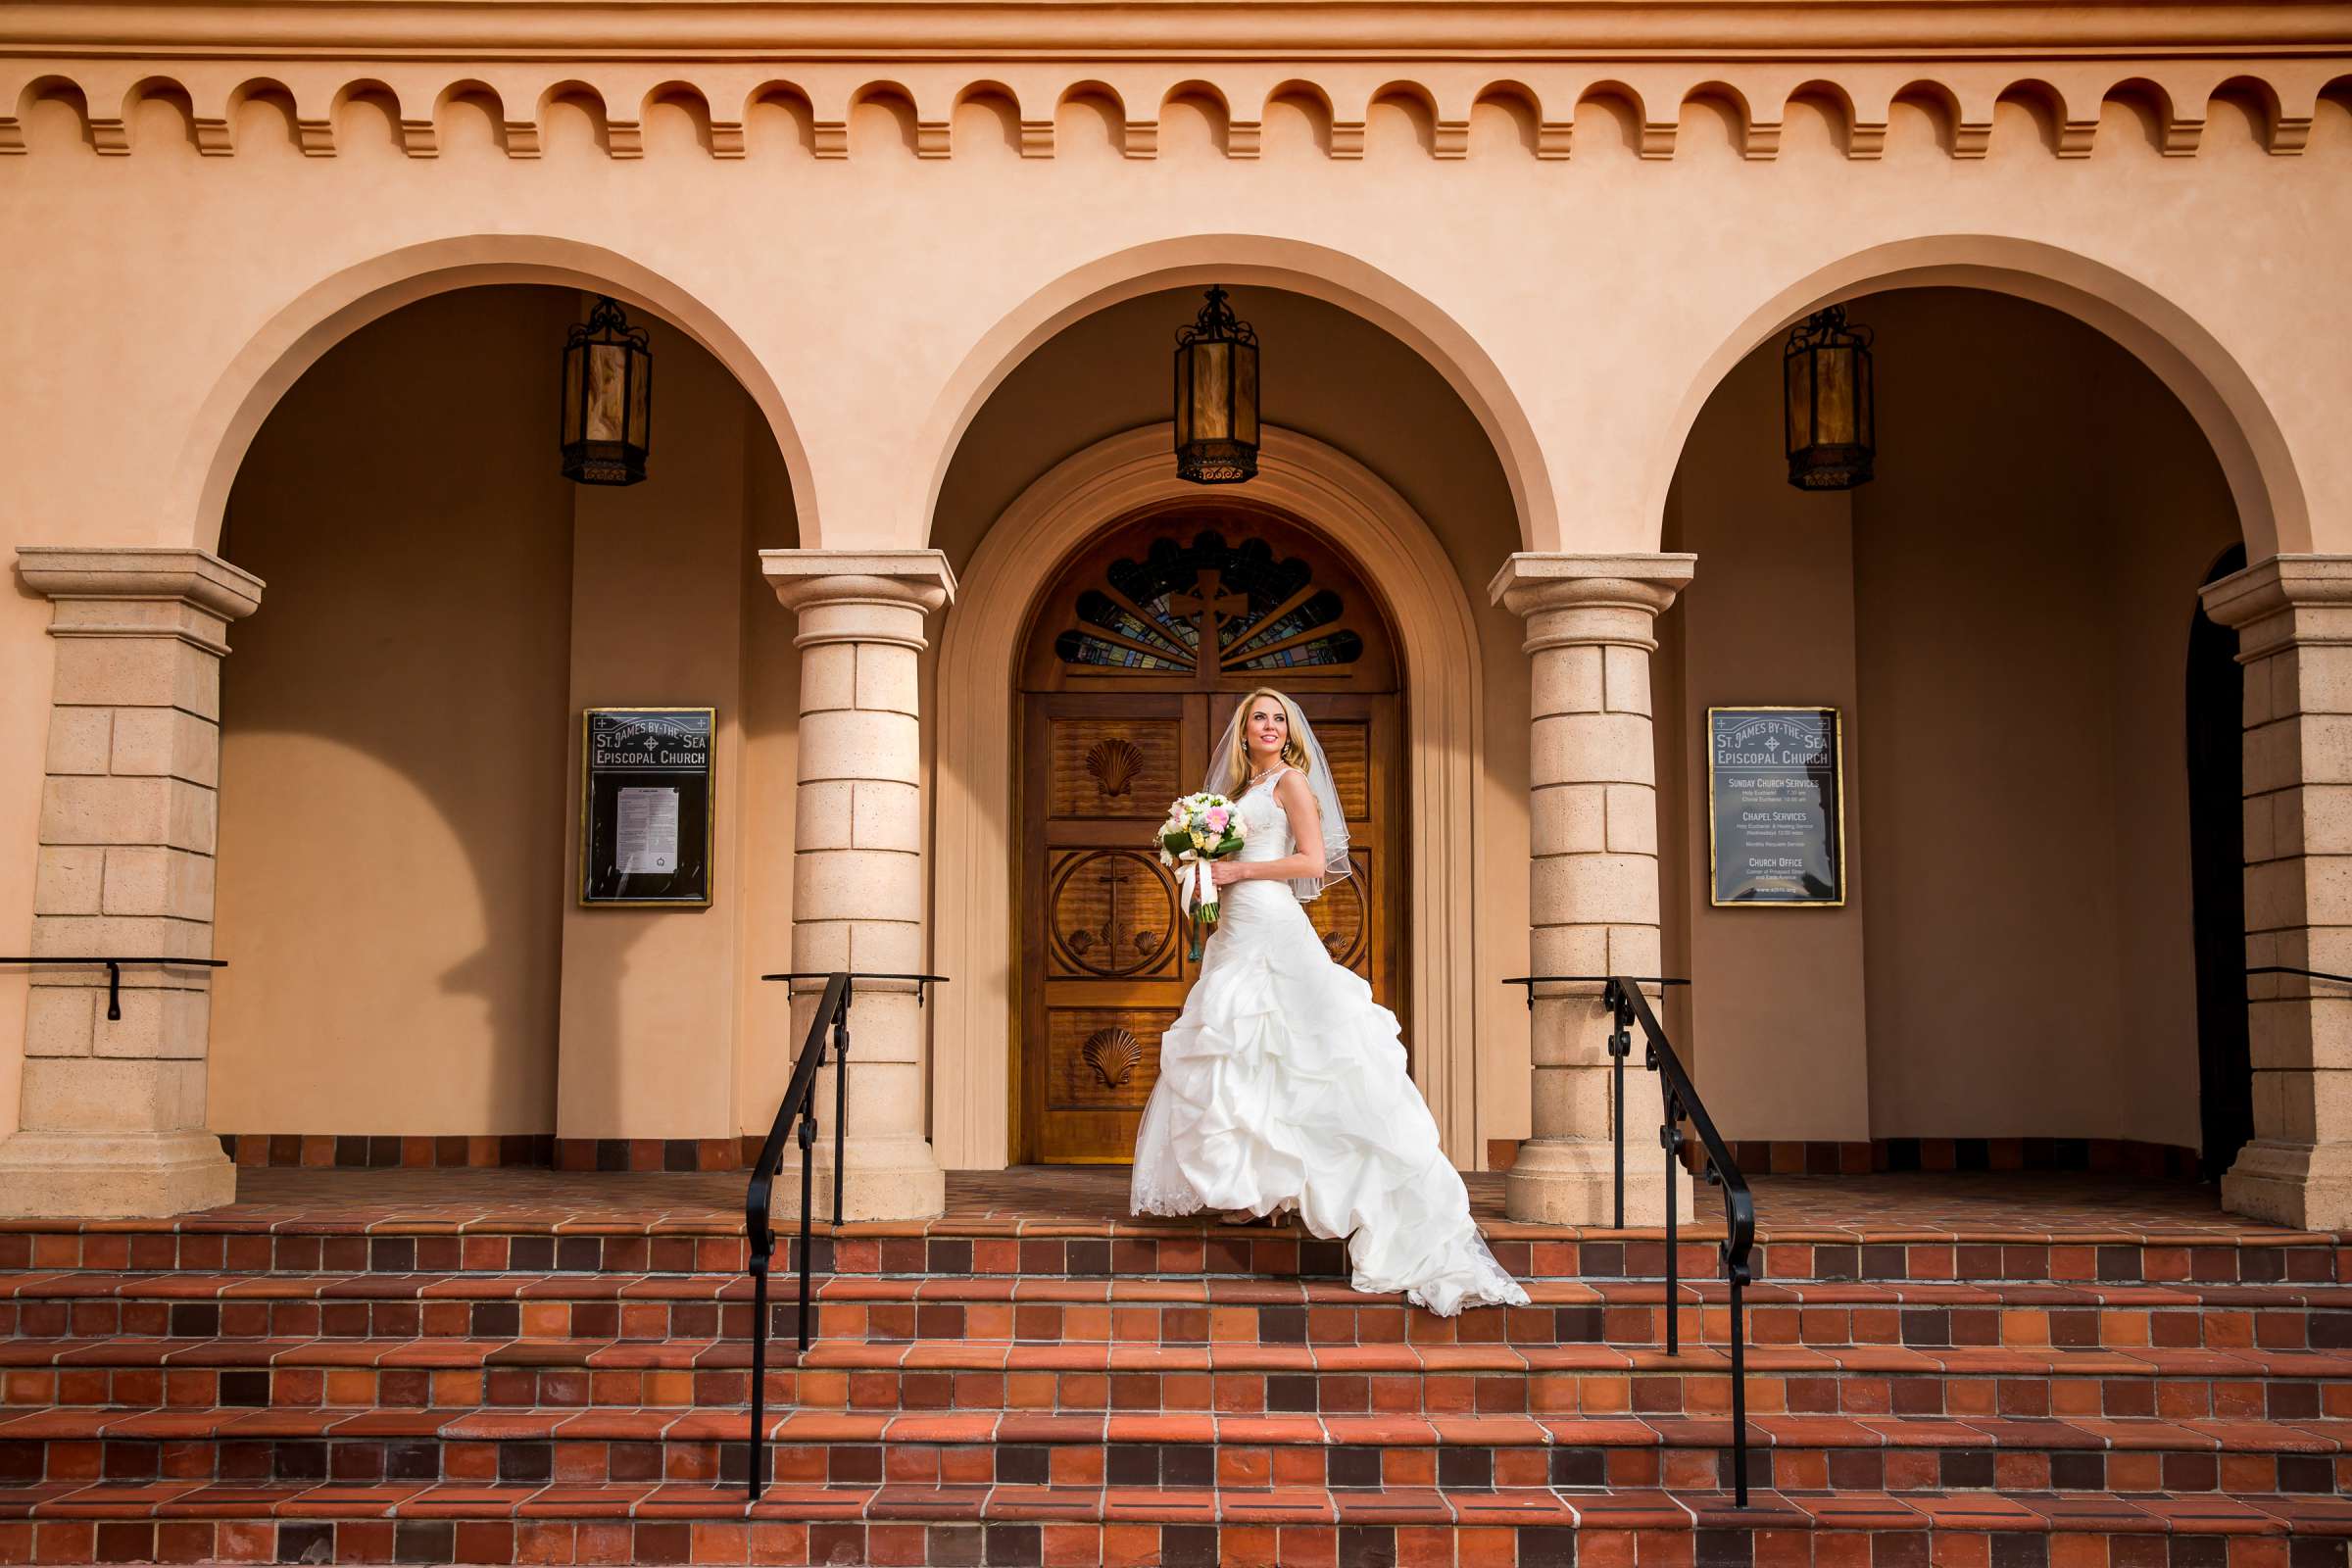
pixel 313 632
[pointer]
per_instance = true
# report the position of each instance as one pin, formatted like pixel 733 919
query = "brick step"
pixel 575 1447
pixel 1176 1527
pixel 1239 1376
pixel 188 1304
pixel 1132 1250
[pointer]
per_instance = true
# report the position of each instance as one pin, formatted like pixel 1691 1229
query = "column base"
pixel 888 1179
pixel 2303 1185
pixel 53 1175
pixel 1572 1181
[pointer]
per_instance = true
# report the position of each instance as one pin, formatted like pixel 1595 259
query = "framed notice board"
pixel 646 818
pixel 1776 807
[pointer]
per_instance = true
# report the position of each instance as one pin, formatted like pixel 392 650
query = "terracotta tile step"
pixel 402 1245
pixel 1176 1527
pixel 1355 1320
pixel 970 1448
pixel 91 1306
pixel 1122 1544
pixel 188 1286
pixel 973 1375
pixel 954 1354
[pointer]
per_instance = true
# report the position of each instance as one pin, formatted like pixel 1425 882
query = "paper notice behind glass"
pixel 645 837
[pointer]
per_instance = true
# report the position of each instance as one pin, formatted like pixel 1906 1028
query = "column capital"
pixel 859 596
pixel 2284 600
pixel 1574 599
pixel 139 591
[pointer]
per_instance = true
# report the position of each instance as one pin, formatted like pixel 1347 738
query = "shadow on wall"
pixel 400 726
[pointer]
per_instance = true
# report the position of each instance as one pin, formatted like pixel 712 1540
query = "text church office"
pixel 532 521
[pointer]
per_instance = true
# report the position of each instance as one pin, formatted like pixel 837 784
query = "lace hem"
pixel 1172 1202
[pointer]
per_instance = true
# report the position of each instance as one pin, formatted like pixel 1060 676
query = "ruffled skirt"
pixel 1282 1086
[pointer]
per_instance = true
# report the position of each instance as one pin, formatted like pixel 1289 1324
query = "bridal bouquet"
pixel 1201 828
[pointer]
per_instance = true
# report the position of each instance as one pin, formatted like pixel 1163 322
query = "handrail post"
pixel 841 1103
pixel 1670 1138
pixel 1738 1278
pixel 758 1369
pixel 808 1195
pixel 1621 1046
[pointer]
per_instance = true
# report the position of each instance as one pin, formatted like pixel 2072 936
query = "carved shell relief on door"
pixel 1113 765
pixel 1113 1055
pixel 1259 613
pixel 1104 768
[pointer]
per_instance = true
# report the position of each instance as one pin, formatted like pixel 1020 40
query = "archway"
pixel 976 802
pixel 1133 663
pixel 413 969
pixel 2000 618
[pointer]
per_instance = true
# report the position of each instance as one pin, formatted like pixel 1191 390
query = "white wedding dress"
pixel 1282 1086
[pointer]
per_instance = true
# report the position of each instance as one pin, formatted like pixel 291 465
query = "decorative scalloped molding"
pixel 1549 95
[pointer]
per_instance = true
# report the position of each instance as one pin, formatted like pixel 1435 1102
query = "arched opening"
pixel 1373 461
pixel 1134 662
pixel 414 977
pixel 1998 619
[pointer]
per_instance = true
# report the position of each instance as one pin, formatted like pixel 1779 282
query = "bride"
pixel 1283 1085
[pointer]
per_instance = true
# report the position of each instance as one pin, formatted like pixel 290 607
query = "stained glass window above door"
pixel 1263 612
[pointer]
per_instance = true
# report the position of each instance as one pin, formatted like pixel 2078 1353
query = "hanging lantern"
pixel 608 398
pixel 1830 392
pixel 1216 397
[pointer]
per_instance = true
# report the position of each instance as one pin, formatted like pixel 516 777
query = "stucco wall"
pixel 400 743
pixel 2018 583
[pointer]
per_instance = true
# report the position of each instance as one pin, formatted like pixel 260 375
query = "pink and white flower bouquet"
pixel 1201 828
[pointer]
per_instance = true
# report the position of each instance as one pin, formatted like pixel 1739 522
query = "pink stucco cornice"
pixel 756 29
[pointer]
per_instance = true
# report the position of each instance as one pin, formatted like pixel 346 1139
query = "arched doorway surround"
pixel 275 356
pixel 1135 662
pixel 976 803
pixel 2273 512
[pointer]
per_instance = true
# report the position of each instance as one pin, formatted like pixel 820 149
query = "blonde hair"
pixel 1237 761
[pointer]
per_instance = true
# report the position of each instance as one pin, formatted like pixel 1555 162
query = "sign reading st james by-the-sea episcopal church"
pixel 646 821
pixel 1776 808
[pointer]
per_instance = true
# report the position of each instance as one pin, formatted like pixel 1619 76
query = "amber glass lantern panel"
pixel 1831 435
pixel 607 400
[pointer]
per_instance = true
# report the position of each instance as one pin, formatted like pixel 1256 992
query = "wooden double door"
pixel 1119 717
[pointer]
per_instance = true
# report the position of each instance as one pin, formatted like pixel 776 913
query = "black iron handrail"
pixel 2308 975
pixel 799 1101
pixel 799 1104
pixel 1625 999
pixel 113 973
pixel 1531 981
pixel 1622 996
pixel 921 981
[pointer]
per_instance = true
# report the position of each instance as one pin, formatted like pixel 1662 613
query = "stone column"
pixel 2293 616
pixel 1593 895
pixel 113 1117
pixel 858 865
